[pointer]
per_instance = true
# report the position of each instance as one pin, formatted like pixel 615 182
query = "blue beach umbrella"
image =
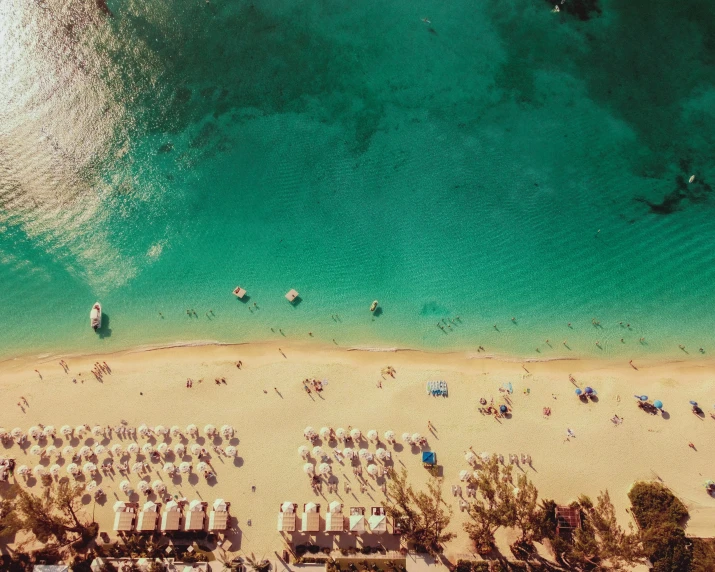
pixel 578 391
pixel 589 390
pixel 658 404
pixel 502 408
pixel 695 403
pixel 643 398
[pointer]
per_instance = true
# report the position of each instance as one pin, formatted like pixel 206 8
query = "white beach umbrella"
pixel 179 450
pixel 356 434
pixel 97 430
pixel 91 485
pixel 137 467
pixel 324 469
pixel 341 434
pixel 80 430
pixel 48 431
pixel 55 470
pixel 132 448
pixel 201 467
pixel 126 487
pixel 196 449
pixel 116 450
pixel 348 453
pixel 209 430
pixel 185 467
pixel 90 468
pixel 34 432
pixel 381 454
pixel 416 437
pixel 38 471
pixel 162 448
pixel 66 430
pixel 309 469
pixel 85 452
pixel 303 451
pixel 175 431
pixel 4 433
pixel 230 451
pixel 143 486
pixel 407 438
pixel 484 456
pixel 335 507
pixel 309 433
pixel 51 451
pixel 68 451
pixel 372 470
pixel 287 507
pixel 463 475
pixel 158 486
pixel 23 470
pixel 36 450
pixel 192 430
pixel 143 430
pixel 72 469
pixel 317 451
pixel 147 449
pixel 372 435
pixel 363 453
pixel 226 431
pixel 16 433
pixel 169 468
pixel 324 433
pixel 160 430
pixel 470 457
pixel 99 449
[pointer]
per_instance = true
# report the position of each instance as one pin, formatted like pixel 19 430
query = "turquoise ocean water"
pixel 486 160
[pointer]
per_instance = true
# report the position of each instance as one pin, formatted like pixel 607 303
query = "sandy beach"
pixel 266 403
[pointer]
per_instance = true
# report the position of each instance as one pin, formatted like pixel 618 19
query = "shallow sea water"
pixel 486 160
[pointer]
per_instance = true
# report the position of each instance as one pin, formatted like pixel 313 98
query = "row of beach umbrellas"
pixel 350 454
pixel 35 432
pixel 118 450
pixel 356 435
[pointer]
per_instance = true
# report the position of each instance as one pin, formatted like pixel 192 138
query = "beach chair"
pixel 443 388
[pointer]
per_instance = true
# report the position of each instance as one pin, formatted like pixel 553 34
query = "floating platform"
pixel 239 292
pixel 292 295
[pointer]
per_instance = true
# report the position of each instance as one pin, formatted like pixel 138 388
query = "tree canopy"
pixel 422 516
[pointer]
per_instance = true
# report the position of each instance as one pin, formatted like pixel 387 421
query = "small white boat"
pixel 373 306
pixel 691 179
pixel 95 316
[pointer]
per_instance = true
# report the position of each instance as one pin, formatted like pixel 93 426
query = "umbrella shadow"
pixel 664 414
pixel 398 448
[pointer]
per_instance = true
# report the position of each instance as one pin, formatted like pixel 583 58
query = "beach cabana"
pixel 377 520
pixel 218 517
pixel 311 517
pixel 357 520
pixel 292 295
pixel 148 517
pixel 171 517
pixel 286 517
pixel 195 516
pixel 334 519
pixel 567 519
pixel 124 516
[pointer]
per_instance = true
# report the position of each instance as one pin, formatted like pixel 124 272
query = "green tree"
pixel 422 516
pixel 501 502
pixel 601 544
pixel 9 521
pixel 56 515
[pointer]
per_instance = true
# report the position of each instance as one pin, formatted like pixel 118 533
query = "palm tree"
pixel 256 565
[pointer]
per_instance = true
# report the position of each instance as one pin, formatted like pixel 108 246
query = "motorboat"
pixel 373 306
pixel 95 316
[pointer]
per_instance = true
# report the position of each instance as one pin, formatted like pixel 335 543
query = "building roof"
pixel 568 517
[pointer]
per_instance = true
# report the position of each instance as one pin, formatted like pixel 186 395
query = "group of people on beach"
pixel 314 383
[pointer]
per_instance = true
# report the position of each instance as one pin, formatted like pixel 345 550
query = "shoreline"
pixel 316 345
